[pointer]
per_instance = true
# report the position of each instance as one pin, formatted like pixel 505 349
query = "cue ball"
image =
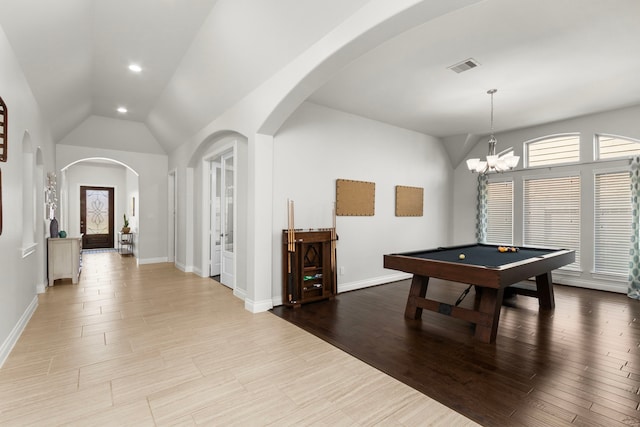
pixel 461 256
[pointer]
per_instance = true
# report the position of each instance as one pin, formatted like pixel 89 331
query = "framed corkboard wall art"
pixel 355 198
pixel 4 125
pixel 409 201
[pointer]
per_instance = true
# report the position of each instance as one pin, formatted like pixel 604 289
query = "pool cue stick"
pixel 462 295
pixel 289 282
pixel 293 256
pixel 291 248
pixel 334 237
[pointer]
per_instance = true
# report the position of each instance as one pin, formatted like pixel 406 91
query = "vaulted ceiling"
pixel 548 59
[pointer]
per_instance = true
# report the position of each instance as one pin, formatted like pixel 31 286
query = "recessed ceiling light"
pixel 135 68
pixel 122 110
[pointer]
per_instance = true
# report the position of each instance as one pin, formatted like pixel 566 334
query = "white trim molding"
pixel 12 339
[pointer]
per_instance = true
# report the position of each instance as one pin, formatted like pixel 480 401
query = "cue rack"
pixel 308 262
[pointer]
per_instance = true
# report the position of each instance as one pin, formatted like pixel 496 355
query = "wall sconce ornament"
pixel 0 201
pixel 51 197
pixel 51 201
pixel 4 126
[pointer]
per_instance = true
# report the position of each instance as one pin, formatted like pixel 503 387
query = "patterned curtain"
pixel 481 215
pixel 634 252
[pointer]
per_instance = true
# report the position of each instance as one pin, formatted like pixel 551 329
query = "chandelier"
pixel 503 161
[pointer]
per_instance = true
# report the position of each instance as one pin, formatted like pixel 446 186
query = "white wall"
pixel 131 206
pixel 318 145
pixel 20 277
pixel 623 122
pixel 113 134
pixel 98 175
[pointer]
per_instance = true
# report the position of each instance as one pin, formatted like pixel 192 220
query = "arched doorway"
pixel 96 194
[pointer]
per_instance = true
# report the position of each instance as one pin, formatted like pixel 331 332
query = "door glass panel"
pixel 216 225
pixel 228 204
pixel 97 214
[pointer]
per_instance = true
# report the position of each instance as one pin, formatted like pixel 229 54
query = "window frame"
pixel 596 147
pixel 526 155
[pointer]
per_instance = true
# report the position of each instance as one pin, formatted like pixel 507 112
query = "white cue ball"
pixel 461 256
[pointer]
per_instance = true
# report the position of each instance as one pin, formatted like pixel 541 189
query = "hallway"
pixel 152 345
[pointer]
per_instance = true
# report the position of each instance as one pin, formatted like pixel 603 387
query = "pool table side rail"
pixel 492 277
pixel 472 245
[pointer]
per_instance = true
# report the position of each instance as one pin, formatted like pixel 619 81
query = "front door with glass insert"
pixel 96 217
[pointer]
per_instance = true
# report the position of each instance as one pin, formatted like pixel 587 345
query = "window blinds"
pixel 500 212
pixel 612 213
pixel 552 214
pixel 611 147
pixel 554 150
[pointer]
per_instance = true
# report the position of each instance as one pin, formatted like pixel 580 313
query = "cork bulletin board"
pixel 409 201
pixel 355 198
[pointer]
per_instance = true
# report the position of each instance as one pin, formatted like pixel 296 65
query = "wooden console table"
pixel 64 258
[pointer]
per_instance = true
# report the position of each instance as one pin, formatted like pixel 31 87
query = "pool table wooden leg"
pixel 544 287
pixel 489 302
pixel 418 290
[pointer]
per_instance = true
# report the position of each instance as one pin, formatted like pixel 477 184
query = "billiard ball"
pixel 461 256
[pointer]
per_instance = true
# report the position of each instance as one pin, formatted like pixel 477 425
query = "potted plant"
pixel 125 228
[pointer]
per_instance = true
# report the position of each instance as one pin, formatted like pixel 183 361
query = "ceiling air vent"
pixel 465 65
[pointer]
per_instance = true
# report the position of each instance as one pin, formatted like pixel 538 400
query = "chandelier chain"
pixel 491 92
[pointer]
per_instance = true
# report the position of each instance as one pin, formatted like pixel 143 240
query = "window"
pixel 552 214
pixel 613 219
pixel 500 212
pixel 553 150
pixel 611 147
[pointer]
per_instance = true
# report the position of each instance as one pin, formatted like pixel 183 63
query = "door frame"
pixel 207 206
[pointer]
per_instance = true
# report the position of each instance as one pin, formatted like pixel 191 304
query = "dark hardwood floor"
pixel 578 364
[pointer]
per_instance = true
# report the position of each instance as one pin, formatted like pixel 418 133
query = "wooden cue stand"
pixel 311 264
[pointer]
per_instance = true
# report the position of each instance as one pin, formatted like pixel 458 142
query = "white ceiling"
pixel 75 53
pixel 549 60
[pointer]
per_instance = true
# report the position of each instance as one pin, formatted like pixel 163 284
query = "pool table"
pixel 485 267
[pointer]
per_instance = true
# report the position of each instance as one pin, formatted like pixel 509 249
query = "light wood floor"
pixel 151 345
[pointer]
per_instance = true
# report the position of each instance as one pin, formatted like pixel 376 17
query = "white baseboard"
pixel 12 339
pixel 242 294
pixel 152 260
pixel 257 306
pixel 374 281
pixel 42 287
pixel 598 285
